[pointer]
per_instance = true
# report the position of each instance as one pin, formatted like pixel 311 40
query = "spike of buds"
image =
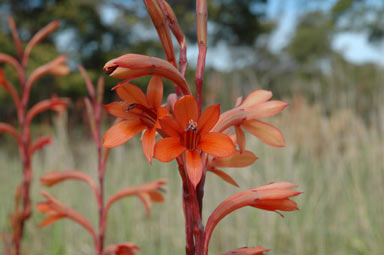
pixel 39 36
pixel 158 20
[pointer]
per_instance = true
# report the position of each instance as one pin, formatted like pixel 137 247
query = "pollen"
pixel 192 126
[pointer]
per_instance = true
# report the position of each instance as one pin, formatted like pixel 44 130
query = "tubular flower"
pixel 139 112
pixel 271 197
pixel 246 116
pixel 257 106
pixel 191 134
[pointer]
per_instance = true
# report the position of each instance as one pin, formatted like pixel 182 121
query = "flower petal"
pixel 155 91
pixel 185 110
pixel 226 177
pixel 277 204
pixel 51 219
pixel 194 166
pixel 240 138
pixel 131 94
pixel 265 110
pixel 208 119
pixel 169 126
pixel 256 97
pixel 120 110
pixel 148 142
pixel 121 132
pixel 248 251
pixel 237 159
pixel 216 144
pixel 265 132
pixel 168 148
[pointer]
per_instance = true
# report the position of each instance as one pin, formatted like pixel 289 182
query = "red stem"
pixel 101 171
pixel 201 27
pixel 26 212
pixel 189 246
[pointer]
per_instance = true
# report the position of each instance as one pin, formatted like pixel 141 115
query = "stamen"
pixel 191 137
pixel 192 126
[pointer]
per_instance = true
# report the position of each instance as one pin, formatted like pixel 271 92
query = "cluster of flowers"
pixel 198 142
pixel 178 129
pixel 25 115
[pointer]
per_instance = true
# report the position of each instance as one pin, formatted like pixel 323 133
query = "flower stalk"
pixel 25 115
pixel 199 141
pixel 147 193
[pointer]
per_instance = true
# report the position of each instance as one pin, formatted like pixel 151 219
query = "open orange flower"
pixel 191 134
pixel 139 112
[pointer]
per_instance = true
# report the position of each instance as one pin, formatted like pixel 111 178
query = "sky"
pixel 353 46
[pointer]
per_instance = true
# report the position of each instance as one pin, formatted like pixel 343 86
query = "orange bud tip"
pixel 110 69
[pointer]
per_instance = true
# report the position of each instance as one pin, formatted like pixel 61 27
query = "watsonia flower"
pixel 190 133
pixel 139 112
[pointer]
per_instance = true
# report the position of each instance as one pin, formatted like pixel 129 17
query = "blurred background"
pixel 324 57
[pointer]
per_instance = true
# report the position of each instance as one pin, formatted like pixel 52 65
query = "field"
pixel 336 158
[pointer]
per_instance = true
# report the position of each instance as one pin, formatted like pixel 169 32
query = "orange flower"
pixel 54 210
pixel 191 134
pixel 139 112
pixel 257 106
pixel 246 115
pixel 270 197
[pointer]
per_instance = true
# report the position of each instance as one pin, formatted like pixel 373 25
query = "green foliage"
pixel 312 39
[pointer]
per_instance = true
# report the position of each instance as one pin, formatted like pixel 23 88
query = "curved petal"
pixel 148 142
pixel 226 177
pixel 277 204
pixel 161 113
pixel 208 119
pixel 155 92
pixel 169 126
pixel 240 138
pixel 265 132
pixel 131 94
pixel 256 97
pixel 120 110
pixel 194 166
pixel 121 132
pixel 185 110
pixel 266 109
pixel 248 251
pixel 216 144
pixel 237 159
pixel 168 148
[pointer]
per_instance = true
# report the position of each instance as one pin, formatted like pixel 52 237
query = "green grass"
pixel 336 159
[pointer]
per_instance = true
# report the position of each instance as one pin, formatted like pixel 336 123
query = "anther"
pixel 192 126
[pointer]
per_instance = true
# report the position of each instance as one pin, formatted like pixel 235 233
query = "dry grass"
pixel 336 159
